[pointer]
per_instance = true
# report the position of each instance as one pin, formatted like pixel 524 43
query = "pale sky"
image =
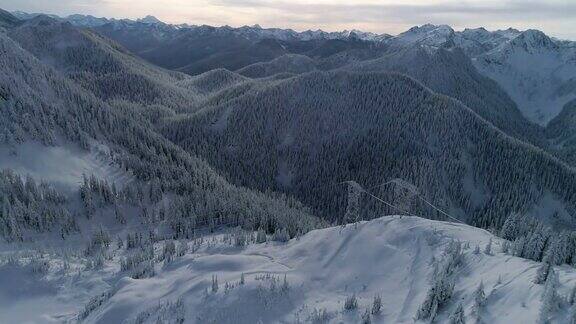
pixel 554 17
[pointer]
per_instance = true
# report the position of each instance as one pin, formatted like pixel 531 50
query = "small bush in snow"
pixel 168 251
pixel 96 262
pixel 92 304
pixel 182 248
pixel 143 270
pixel 119 243
pixel 543 271
pixel 479 299
pixel 488 248
pixel 319 316
pixel 458 316
pixel 100 241
pixel 164 312
pixel 214 283
pixel 506 247
pixel 134 240
pixel 351 303
pixel 131 261
pixel 240 237
pixel 376 305
pixel 285 286
pixel 281 235
pixel 12 259
pixel 572 296
pixel 261 236
pixel 39 265
pixel 140 263
pixel 366 318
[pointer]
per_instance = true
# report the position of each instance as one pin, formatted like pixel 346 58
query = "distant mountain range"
pixel 506 56
pixel 252 32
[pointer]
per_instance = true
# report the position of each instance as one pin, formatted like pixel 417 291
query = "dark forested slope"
pixel 100 65
pixel 305 134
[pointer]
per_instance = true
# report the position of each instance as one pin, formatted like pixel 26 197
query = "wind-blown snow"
pixel 390 256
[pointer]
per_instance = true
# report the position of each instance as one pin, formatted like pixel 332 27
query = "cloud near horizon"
pixel 554 17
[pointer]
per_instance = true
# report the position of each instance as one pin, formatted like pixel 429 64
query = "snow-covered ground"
pixel 391 257
pixel 63 165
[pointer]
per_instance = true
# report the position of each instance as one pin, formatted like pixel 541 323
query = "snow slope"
pixel 63 165
pixel 391 256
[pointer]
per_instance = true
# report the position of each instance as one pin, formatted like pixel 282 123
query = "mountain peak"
pixel 428 34
pixel 430 27
pixel 86 20
pixel 532 40
pixel 150 20
pixel 42 20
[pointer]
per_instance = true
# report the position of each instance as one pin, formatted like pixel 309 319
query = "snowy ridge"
pixel 250 32
pixel 428 34
pixel 535 70
pixel 391 257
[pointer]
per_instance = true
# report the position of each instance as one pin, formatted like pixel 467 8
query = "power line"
pixel 398 182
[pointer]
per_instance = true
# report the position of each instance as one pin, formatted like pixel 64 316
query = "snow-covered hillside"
pixel 62 166
pixel 307 279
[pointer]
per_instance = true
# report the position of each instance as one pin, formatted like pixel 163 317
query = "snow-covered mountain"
pixel 149 20
pixel 86 20
pixel 332 275
pixel 134 193
pixel 251 32
pixel 539 73
pixel 536 71
pixel 479 40
pixel 428 35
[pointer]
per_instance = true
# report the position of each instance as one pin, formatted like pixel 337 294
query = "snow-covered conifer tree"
pixel 457 317
pixel 350 303
pixel 543 271
pixel 488 248
pixel 366 318
pixel 214 283
pixel 376 305
pixel 550 302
